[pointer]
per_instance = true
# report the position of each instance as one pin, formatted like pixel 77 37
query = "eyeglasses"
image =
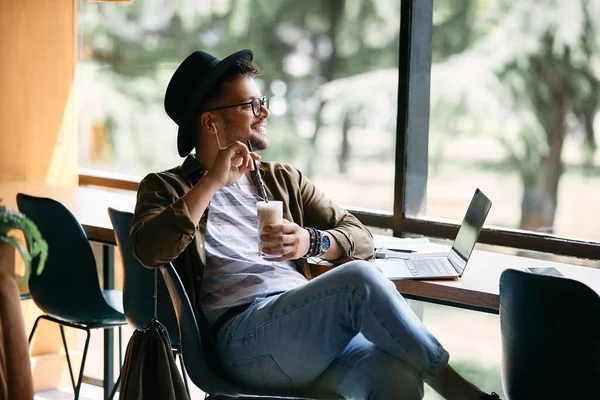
pixel 256 104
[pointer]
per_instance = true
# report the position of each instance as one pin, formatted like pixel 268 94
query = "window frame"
pixel 414 66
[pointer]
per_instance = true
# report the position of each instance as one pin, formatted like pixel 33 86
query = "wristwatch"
pixel 325 244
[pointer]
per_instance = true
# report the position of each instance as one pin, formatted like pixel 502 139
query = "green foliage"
pixel 129 53
pixel 532 81
pixel 36 245
pixel 523 72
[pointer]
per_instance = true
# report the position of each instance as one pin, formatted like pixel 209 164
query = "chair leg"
pixel 118 382
pixel 35 325
pixel 116 387
pixel 62 324
pixel 183 373
pixel 64 340
pixel 120 351
pixel 85 350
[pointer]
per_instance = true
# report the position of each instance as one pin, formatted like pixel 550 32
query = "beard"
pixel 259 142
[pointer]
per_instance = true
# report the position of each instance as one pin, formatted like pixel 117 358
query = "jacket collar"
pixel 192 168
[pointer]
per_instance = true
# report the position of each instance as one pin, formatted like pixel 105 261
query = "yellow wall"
pixel 38 139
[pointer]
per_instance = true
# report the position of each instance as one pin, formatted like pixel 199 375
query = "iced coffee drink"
pixel 269 213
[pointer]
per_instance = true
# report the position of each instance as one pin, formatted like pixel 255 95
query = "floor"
pixel 87 392
pixel 475 352
pixel 94 369
pixel 91 392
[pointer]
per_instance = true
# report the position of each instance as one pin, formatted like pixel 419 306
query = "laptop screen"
pixel 469 230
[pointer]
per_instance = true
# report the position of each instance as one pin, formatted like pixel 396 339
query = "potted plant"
pixel 15 368
pixel 36 246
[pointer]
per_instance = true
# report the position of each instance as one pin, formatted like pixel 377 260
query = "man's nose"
pixel 264 111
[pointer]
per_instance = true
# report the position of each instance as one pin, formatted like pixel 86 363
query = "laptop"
pixel 436 266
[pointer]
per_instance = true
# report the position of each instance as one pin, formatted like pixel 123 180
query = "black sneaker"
pixel 492 396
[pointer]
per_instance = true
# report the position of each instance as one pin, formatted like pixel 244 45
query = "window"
pixel 503 96
pixel 397 110
pixel 330 75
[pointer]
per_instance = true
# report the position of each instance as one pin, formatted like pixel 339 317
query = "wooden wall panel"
pixel 38 136
pixel 38 139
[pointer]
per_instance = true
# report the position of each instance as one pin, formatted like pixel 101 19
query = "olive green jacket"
pixel 163 231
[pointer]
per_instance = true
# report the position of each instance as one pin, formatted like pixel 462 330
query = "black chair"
pixel 550 337
pixel 138 288
pixel 68 291
pixel 201 372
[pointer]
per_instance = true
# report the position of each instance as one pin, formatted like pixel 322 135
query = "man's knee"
pixel 365 278
pixel 361 272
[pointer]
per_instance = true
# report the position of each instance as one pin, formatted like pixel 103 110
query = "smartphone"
pixel 550 271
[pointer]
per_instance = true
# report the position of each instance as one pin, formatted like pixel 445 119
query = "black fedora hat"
pixel 188 87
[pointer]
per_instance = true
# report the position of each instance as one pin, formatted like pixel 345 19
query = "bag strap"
pixel 155 293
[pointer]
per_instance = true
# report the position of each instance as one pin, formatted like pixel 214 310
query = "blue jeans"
pixel 347 331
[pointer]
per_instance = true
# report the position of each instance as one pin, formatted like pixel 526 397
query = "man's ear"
pixel 206 122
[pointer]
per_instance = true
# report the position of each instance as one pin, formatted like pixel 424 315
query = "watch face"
pixel 325 243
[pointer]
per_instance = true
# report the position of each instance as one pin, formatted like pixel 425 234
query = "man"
pixel 348 330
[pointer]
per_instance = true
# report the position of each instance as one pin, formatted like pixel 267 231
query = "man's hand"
pixel 232 162
pixel 290 241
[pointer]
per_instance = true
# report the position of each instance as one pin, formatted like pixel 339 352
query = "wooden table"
pixel 89 205
pixel 478 288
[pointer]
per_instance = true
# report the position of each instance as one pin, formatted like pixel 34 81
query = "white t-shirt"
pixel 235 273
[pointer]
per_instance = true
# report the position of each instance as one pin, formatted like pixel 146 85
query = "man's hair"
pixel 242 67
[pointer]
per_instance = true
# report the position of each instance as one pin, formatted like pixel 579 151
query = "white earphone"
pixel 216 134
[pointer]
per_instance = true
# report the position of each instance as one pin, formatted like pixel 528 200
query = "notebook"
pixel 451 265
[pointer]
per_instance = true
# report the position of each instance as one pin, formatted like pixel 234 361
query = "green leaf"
pixel 36 245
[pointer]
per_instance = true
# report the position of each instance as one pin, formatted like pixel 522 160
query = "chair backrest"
pixel 550 337
pixel 68 287
pixel 200 371
pixel 194 358
pixel 138 283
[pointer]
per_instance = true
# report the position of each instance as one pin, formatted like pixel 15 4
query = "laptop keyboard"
pixel 428 267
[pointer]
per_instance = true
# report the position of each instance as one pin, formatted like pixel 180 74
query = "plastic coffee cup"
pixel 268 213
